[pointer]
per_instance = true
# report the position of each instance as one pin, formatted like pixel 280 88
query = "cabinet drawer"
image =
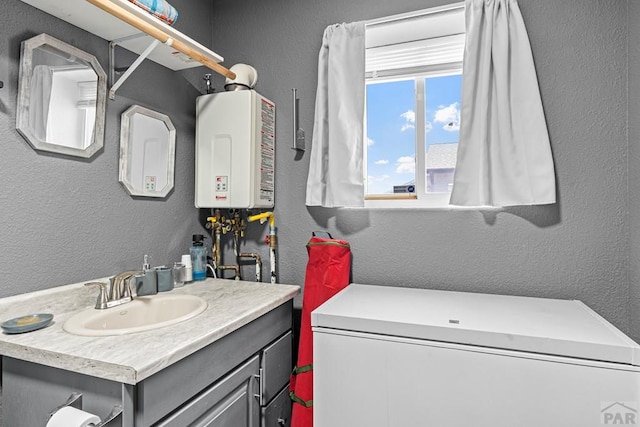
pixel 276 366
pixel 230 402
pixel 278 412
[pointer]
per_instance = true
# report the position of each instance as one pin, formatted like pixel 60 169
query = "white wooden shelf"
pixel 91 18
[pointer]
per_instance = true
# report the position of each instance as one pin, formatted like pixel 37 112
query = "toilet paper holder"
pixel 75 400
pixel 116 412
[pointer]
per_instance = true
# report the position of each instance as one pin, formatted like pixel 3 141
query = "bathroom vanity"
pixel 228 366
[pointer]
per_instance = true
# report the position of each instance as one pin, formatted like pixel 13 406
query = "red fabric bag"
pixel 328 271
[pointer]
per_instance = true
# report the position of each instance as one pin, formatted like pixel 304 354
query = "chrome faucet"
pixel 119 290
pixel 120 287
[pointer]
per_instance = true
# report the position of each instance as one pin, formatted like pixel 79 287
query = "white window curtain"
pixel 335 170
pixel 504 155
pixel 40 100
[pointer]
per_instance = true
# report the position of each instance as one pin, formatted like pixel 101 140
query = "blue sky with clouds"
pixel 391 127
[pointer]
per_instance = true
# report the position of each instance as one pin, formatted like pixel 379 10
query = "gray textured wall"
pixel 66 220
pixel 577 249
pixel 634 166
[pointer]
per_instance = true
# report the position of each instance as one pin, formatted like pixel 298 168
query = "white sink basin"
pixel 141 314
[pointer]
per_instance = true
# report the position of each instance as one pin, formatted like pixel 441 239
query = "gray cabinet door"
pixel 230 402
pixel 276 367
pixel 278 412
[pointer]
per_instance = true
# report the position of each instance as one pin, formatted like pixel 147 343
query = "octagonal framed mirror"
pixel 147 152
pixel 61 98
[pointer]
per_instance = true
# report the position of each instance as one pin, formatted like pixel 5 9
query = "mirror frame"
pixel 24 87
pixel 126 151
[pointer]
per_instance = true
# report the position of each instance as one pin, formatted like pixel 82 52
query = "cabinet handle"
pixel 260 396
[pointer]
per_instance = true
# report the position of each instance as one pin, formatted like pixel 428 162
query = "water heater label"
pixel 266 178
pixel 221 184
pixel 267 150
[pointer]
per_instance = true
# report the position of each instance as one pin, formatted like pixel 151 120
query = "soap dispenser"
pixel 147 282
pixel 198 257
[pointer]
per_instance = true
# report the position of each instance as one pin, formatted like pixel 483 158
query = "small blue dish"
pixel 28 323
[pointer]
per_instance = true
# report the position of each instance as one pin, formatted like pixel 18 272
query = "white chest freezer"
pixel 401 357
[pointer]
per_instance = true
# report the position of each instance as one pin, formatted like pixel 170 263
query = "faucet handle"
pixel 113 293
pixel 121 286
pixel 101 302
pixel 126 287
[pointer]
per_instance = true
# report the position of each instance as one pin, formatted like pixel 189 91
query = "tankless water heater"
pixel 235 150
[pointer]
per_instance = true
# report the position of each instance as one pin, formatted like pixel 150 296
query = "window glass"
pixel 442 128
pixel 391 136
pixel 413 73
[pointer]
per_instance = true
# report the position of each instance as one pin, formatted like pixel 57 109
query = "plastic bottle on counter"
pixel 198 257
pixel 188 269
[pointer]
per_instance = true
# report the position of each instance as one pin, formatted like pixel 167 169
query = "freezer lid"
pixel 539 325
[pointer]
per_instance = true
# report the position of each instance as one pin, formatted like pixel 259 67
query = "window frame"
pixel 420 199
pixel 435 30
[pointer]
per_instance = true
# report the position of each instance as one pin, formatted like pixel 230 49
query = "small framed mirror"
pixel 61 97
pixel 147 152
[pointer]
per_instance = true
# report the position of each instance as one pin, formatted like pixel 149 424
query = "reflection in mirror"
pixel 147 152
pixel 61 98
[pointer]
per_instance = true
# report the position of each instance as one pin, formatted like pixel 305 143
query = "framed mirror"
pixel 61 97
pixel 147 152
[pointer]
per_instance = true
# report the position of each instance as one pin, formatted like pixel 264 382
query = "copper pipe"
pixel 258 263
pixel 235 268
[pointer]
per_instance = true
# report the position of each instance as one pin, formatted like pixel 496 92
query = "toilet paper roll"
pixel 71 417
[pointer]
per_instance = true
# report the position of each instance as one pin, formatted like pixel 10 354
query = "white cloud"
pixel 381 162
pixel 410 119
pixel 409 116
pixel 428 126
pixel 406 164
pixel 370 142
pixel 449 116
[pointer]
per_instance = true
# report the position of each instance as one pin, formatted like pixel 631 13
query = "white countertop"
pixel 134 357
